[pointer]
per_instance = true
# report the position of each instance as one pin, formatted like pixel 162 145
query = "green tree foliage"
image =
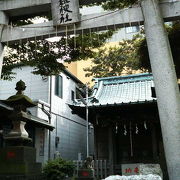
pixel 58 169
pixel 115 4
pixel 114 61
pixel 118 4
pixel 132 55
pixel 174 39
pixel 43 55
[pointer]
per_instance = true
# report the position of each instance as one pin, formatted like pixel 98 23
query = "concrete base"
pixel 135 177
pixel 20 168
pixel 17 141
pixel 22 177
pixel 84 178
pixel 86 174
pixel 18 161
pixel 155 169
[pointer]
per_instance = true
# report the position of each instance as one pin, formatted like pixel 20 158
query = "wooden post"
pixel 1 56
pixel 167 91
pixel 111 157
pixel 95 143
pixel 154 143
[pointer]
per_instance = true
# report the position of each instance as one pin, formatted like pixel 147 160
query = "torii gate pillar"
pixel 3 21
pixel 1 55
pixel 167 91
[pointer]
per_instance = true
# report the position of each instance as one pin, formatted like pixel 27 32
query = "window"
pixel 72 95
pixel 59 86
pixel 132 29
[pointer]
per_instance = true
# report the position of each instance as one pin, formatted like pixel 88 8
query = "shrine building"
pixel 124 113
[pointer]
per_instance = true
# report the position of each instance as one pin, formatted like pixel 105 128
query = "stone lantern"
pixel 18 135
pixel 18 159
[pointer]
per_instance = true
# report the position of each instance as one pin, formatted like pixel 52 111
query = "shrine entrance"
pixel 126 123
pixel 135 147
pixel 134 139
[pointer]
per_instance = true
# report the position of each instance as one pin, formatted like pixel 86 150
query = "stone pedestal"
pixel 141 169
pixel 18 161
pixel 145 169
pixel 18 136
pixel 135 177
pixel 85 174
pixel 18 129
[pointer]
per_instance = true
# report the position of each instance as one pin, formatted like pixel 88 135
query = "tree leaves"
pixel 132 55
pixel 116 60
pixel 45 56
pixel 115 4
pixel 174 40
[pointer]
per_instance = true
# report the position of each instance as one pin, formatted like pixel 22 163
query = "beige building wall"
pixel 77 68
pixel 72 67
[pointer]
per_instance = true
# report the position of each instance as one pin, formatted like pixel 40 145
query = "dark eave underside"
pixel 112 108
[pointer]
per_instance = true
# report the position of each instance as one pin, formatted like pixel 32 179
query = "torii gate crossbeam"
pixel 20 8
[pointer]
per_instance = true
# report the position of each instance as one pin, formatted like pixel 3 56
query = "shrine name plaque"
pixel 65 11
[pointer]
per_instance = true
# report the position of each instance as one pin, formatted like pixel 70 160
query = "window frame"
pixel 58 87
pixel 72 95
pixel 132 29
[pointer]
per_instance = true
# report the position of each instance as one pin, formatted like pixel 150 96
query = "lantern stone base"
pixel 23 177
pixel 85 174
pixel 17 141
pixel 18 161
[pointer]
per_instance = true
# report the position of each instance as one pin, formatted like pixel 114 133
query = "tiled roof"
pixel 122 90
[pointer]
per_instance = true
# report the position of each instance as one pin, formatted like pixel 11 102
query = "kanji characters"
pixel 136 170
pixel 128 170
pixel 64 10
pixel 132 170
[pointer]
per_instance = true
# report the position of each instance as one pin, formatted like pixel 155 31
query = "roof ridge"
pixel 124 77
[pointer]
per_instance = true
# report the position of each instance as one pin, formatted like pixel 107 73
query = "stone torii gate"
pixel 151 13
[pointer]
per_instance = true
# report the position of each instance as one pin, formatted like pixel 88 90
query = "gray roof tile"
pixel 122 90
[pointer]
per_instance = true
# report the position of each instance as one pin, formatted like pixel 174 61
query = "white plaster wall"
pixel 40 113
pixel 70 128
pixel 60 105
pixel 72 138
pixel 36 88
